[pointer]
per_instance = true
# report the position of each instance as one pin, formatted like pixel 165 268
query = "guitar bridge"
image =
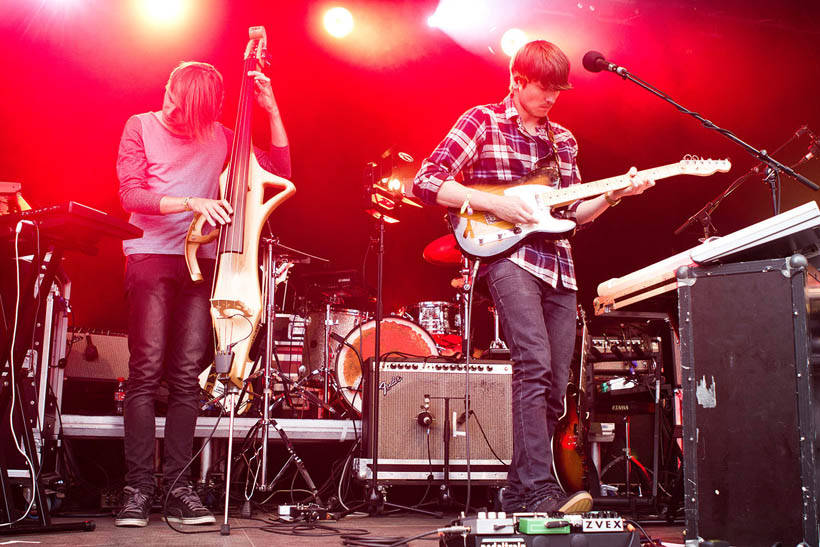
pixel 230 308
pixel 496 237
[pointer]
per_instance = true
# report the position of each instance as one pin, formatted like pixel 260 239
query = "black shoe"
pixel 135 509
pixel 579 502
pixel 185 507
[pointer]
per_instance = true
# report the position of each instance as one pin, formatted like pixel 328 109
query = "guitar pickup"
pixel 490 218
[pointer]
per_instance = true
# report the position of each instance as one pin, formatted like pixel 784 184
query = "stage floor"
pixel 261 530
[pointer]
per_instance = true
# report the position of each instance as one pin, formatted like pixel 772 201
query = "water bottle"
pixel 119 396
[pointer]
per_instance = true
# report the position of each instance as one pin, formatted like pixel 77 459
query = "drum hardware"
pixel 275 253
pixel 497 343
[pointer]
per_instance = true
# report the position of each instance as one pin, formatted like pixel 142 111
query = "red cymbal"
pixel 442 251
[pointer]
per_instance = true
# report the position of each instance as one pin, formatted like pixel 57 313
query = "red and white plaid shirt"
pixel 489 145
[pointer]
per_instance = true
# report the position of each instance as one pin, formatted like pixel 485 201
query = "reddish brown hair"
pixel 197 91
pixel 541 61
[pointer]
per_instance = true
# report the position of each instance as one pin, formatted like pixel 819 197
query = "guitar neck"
pixel 565 196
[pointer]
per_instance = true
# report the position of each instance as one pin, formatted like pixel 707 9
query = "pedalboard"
pixel 592 529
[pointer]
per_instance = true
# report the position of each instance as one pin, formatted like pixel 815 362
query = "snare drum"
pixel 437 318
pixel 319 344
pixel 397 335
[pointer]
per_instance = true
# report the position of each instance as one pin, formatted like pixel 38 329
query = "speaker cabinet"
pixel 410 390
pixel 749 432
pixel 97 356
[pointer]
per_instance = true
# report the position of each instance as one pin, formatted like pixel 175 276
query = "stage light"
pixel 338 22
pixel 454 15
pixel 164 11
pixel 512 40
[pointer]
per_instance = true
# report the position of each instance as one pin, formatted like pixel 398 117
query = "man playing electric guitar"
pixel 533 286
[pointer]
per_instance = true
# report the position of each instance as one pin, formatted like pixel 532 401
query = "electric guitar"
pixel 571 456
pixel 481 234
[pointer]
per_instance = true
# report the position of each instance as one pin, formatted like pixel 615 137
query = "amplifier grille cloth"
pixel 111 363
pixel 401 436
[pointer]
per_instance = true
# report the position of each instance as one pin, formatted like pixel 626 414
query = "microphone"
pixel 90 353
pixel 814 151
pixel 594 61
pixel 463 417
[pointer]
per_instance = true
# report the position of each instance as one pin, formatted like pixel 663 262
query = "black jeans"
pixel 539 325
pixel 170 335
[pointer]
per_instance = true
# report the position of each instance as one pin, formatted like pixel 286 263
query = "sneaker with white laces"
pixel 185 507
pixel 577 503
pixel 135 509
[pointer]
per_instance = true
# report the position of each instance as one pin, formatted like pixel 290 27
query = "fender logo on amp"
pixel 387 386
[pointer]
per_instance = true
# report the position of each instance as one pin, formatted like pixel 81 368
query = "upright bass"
pixel 236 296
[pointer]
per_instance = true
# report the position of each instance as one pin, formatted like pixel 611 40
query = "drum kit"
pixel 339 332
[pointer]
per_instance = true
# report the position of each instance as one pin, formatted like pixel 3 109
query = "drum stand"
pixel 333 299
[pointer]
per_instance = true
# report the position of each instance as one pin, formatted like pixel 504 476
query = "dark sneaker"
pixel 136 508
pixel 185 507
pixel 579 502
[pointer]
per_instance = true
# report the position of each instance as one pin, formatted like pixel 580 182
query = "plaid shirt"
pixel 489 144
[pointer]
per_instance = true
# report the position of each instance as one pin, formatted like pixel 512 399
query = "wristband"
pixel 185 204
pixel 612 202
pixel 465 207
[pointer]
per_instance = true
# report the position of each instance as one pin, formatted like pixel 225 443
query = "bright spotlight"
pixel 512 40
pixel 164 11
pixel 457 15
pixel 338 22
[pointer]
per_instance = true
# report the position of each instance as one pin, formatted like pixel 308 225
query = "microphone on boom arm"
pixel 594 61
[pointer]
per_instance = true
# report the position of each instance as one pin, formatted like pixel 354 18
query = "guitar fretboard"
pixel 564 196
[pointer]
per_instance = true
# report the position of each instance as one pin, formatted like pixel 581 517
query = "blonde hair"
pixel 196 90
pixel 540 61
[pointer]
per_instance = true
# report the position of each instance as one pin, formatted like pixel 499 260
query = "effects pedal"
pixel 592 529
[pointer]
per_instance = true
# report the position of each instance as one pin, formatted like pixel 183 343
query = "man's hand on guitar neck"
pixel 591 209
pixel 638 185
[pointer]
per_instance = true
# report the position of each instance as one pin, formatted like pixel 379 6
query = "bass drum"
pixel 397 336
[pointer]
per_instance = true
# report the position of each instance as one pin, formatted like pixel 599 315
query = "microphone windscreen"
pixel 590 61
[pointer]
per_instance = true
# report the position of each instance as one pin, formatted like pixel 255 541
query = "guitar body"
pixel 482 235
pixel 571 455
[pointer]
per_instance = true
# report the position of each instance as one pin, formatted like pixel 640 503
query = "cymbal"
pixel 442 251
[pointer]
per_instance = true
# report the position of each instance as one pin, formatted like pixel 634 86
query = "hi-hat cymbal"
pixel 443 251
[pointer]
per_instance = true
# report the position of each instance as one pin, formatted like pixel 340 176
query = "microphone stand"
pixel 761 155
pixel 704 214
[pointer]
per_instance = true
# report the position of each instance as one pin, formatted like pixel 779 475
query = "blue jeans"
pixel 170 336
pixel 539 325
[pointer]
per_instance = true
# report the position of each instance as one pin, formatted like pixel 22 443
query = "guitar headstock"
pixel 257 47
pixel 693 165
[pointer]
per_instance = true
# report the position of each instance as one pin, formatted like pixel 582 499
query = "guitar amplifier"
pixel 97 355
pixel 410 451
